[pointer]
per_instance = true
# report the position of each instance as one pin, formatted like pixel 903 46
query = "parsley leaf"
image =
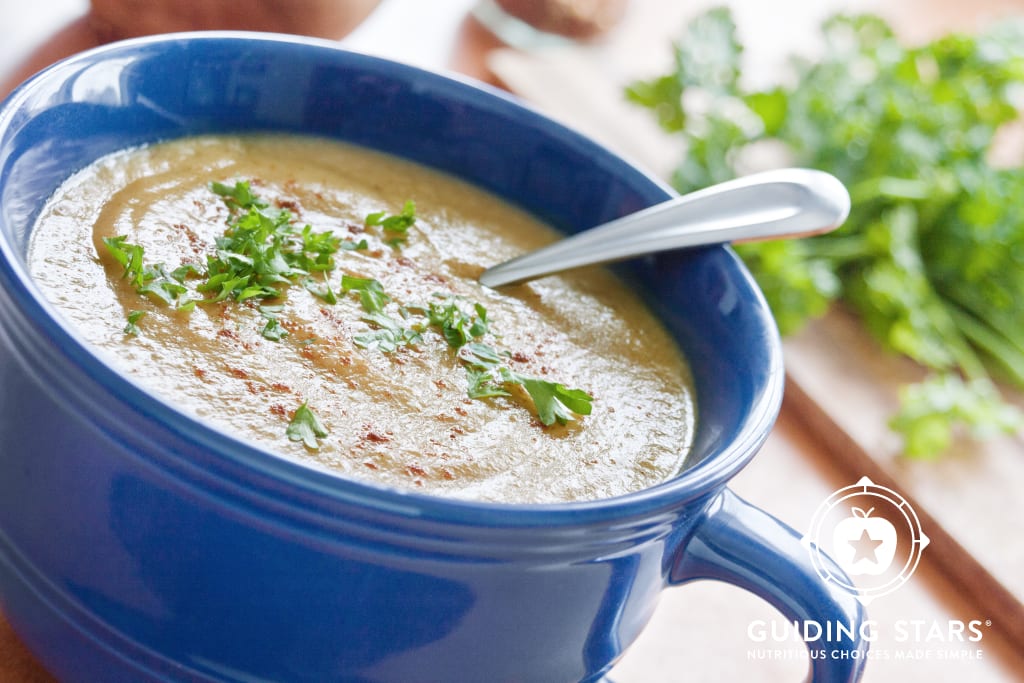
pixel 351 245
pixel 130 256
pixel 456 324
pixel 273 330
pixel 488 376
pixel 485 373
pixel 305 426
pixel 396 225
pixel 322 292
pixel 388 335
pixel 371 293
pixel 238 196
pixel 133 319
pixel 152 281
pixel 555 403
pixel 480 356
pixel 484 384
pixel 931 410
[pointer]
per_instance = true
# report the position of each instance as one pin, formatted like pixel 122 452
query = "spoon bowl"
pixel 790 202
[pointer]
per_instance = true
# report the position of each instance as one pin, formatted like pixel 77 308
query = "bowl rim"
pixel 699 480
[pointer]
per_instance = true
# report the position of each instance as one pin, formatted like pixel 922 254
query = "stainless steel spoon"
pixel 791 202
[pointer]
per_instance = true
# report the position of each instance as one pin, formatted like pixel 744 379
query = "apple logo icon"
pixel 865 540
pixel 864 545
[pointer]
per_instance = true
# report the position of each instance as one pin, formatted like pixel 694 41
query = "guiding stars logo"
pixel 872 533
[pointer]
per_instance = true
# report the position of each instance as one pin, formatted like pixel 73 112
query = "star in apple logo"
pixel 864 545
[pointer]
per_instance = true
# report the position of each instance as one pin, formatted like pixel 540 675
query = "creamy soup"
pixel 320 300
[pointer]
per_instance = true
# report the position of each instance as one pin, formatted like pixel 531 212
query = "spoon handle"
pixel 782 203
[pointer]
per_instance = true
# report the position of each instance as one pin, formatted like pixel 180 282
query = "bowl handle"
pixel 742 545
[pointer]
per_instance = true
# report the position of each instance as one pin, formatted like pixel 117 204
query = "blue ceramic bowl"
pixel 137 544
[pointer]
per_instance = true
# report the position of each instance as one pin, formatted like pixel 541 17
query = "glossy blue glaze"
pixel 136 544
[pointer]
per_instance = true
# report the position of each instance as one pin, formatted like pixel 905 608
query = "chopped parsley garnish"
pixel 305 426
pixel 322 292
pixel 554 402
pixel 371 292
pixel 152 281
pixel 261 253
pixel 318 249
pixel 130 256
pixel 486 371
pixel 349 245
pixel 133 319
pixel 489 376
pixel 388 334
pixel 395 227
pixel 273 330
pixel 457 325
pixel 238 197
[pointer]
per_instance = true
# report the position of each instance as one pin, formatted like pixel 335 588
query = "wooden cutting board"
pixel 841 386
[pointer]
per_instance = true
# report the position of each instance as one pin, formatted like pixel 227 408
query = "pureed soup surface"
pixel 366 361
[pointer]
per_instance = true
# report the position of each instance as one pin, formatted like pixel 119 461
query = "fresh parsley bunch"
pixel 932 255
